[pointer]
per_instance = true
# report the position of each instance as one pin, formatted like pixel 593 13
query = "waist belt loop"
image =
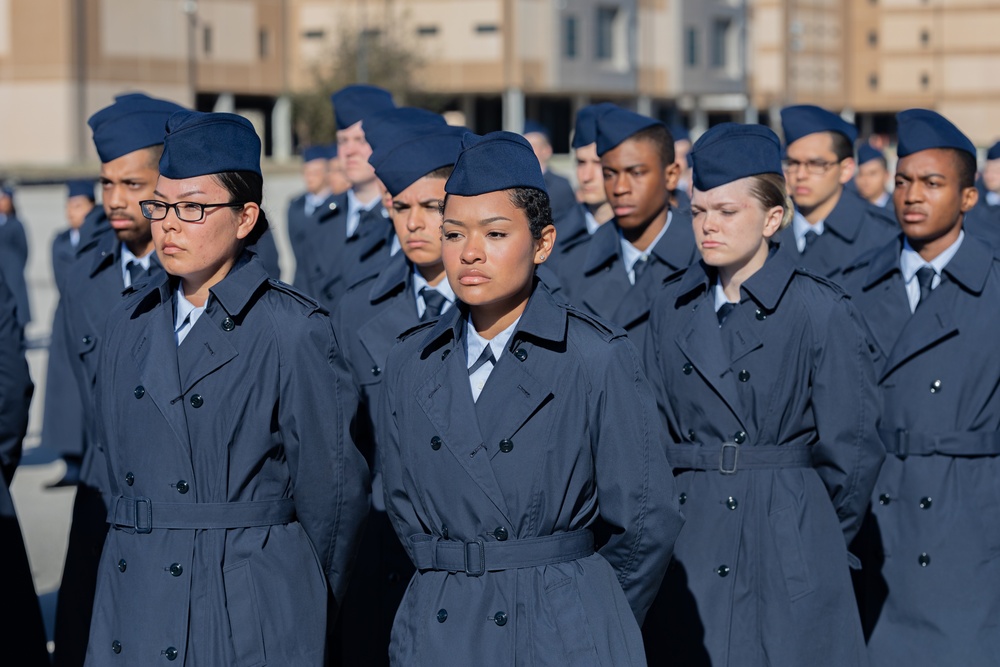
pixel 727 462
pixel 475 555
pixel 135 515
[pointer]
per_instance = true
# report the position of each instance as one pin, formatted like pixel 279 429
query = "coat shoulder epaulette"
pixel 837 289
pixel 674 277
pixel 297 295
pixel 423 326
pixel 605 329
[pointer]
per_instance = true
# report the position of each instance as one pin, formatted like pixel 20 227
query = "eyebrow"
pixel 486 221
pixel 181 195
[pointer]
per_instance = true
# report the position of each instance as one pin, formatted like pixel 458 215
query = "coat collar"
pixel 395 276
pixel 765 287
pixel 969 267
pixel 847 217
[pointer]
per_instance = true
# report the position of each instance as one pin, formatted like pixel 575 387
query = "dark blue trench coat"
pixel 761 569
pixel 238 494
pixel 930 587
pixel 492 499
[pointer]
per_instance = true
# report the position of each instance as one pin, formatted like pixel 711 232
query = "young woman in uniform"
pixel 224 404
pixel 509 431
pixel 765 378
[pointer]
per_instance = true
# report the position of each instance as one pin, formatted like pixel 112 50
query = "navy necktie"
pixel 136 272
pixel 925 278
pixel 810 237
pixel 723 312
pixel 484 358
pixel 433 303
pixel 639 268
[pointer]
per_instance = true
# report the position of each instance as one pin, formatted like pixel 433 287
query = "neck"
pixel 821 211
pixel 324 192
pixel 733 277
pixel 602 212
pixel 196 287
pixel 366 193
pixel 643 236
pixel 930 249
pixel 490 319
pixel 140 248
pixel 433 273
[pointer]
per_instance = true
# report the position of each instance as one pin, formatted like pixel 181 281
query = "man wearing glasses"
pixel 832 226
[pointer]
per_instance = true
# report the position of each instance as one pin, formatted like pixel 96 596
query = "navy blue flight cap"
pixel 316 153
pixel 534 127
pixel 414 153
pixel 133 122
pixel 492 162
pixel 680 132
pixel 994 152
pixel 922 129
pixel 615 125
pixel 209 143
pixel 805 119
pixel 331 150
pixel 731 151
pixel 585 132
pixel 83 187
pixel 390 124
pixel 867 153
pixel 357 102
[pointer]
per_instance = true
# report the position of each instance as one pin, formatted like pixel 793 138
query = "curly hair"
pixel 535 204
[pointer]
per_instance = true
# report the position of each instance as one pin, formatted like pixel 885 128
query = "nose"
pixel 473 250
pixel 619 184
pixel 114 196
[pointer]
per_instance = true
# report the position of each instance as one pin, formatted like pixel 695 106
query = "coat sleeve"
pixel 15 386
pixel 845 401
pixel 329 475
pixel 635 486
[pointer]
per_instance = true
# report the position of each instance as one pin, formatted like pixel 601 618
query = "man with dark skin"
pixel 615 273
pixel 929 298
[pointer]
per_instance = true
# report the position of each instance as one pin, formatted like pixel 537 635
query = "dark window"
pixel 206 39
pixel 485 28
pixel 720 42
pixel 264 43
pixel 872 38
pixel 606 17
pixel 569 37
pixel 925 80
pixel 873 81
pixel 427 30
pixel 314 34
pixel 691 47
pixel 925 38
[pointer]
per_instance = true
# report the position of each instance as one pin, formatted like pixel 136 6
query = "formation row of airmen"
pixel 495 422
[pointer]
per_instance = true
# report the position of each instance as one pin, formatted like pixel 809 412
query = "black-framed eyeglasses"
pixel 187 211
pixel 814 167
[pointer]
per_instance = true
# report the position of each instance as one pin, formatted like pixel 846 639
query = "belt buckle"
pixel 143 507
pixel 729 469
pixel 479 560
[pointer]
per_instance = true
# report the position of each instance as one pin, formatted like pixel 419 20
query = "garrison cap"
pixel 81 187
pixel 357 102
pixel 133 122
pixel 994 152
pixel 209 143
pixel 585 132
pixel 388 124
pixel 534 127
pixel 495 161
pixel 731 151
pixel 615 125
pixel 923 129
pixel 867 153
pixel 414 152
pixel 805 119
pixel 316 153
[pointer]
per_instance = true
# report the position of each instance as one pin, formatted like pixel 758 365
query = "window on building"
pixel 314 34
pixel 206 39
pixel 486 28
pixel 691 47
pixel 720 41
pixel 427 30
pixel 925 80
pixel 872 38
pixel 873 81
pixel 569 37
pixel 925 38
pixel 264 43
pixel 606 18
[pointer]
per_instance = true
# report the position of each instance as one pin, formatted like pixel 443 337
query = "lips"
pixel 914 215
pixel 472 278
pixel 121 223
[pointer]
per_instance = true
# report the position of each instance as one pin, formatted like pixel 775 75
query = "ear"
pixel 773 221
pixel 544 245
pixel 970 197
pixel 847 169
pixel 247 220
pixel 672 175
pixel 386 198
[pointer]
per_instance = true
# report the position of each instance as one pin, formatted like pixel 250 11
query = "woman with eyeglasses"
pixel 510 433
pixel 766 383
pixel 237 495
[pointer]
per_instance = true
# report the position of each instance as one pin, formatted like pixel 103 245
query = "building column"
pixel 225 103
pixel 750 114
pixel 513 110
pixel 281 129
pixel 699 119
pixel 644 105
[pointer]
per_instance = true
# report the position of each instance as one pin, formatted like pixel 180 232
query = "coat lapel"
pixel 205 350
pixel 931 323
pixel 378 335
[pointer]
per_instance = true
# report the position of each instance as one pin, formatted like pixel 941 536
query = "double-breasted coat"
pixel 300 224
pixel 773 423
pixel 853 228
pixel 595 279
pixel 13 260
pixel 930 587
pixel 494 499
pixel 22 633
pixel 238 494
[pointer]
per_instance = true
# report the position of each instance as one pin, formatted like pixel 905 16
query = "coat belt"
pixel 903 443
pixel 479 556
pixel 728 457
pixel 142 515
